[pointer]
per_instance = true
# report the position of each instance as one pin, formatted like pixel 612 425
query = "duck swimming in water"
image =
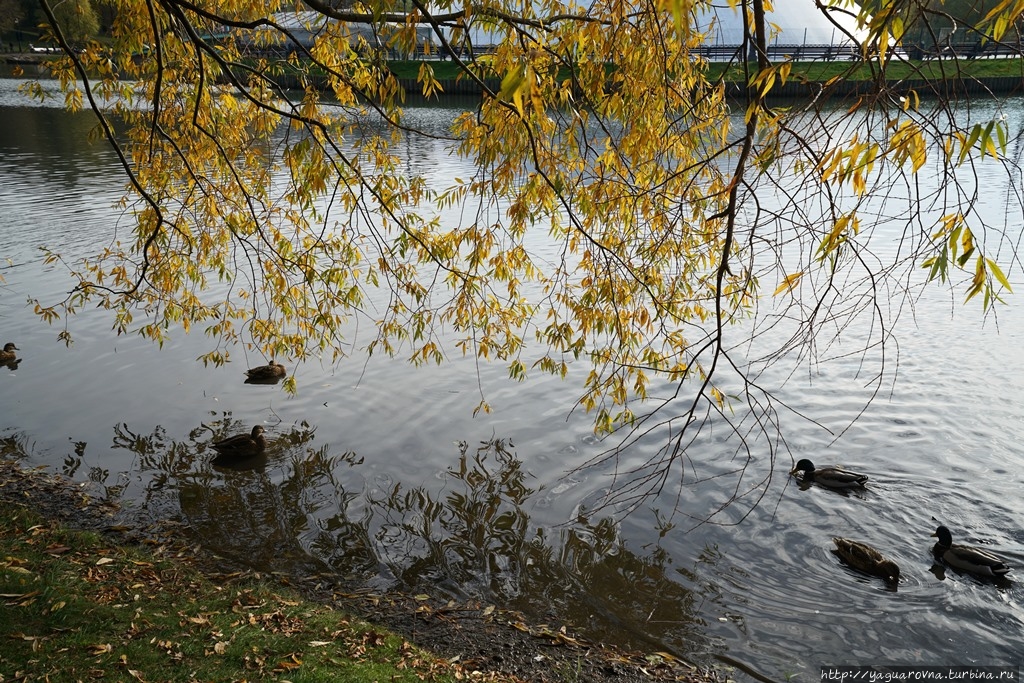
pixel 271 372
pixel 832 477
pixel 967 558
pixel 8 354
pixel 864 558
pixel 243 445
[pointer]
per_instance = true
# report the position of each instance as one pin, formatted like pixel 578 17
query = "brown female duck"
pixel 863 557
pixel 8 354
pixel 264 373
pixel 242 445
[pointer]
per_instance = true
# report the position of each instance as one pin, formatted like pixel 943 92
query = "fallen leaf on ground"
pixel 287 664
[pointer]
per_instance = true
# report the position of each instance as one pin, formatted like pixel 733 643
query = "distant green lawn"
pixel 812 71
pixel 894 70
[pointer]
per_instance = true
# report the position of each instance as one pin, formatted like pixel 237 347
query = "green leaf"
pixel 514 85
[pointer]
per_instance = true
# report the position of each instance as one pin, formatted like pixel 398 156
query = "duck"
pixel 832 477
pixel 271 371
pixel 242 445
pixel 967 558
pixel 864 558
pixel 8 354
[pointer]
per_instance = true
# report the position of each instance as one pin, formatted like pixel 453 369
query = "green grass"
pixel 80 608
pixel 812 71
pixel 895 70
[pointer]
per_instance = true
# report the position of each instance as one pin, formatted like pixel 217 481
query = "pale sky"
pixel 800 21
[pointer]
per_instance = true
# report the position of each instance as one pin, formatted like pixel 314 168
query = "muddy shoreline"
pixel 479 637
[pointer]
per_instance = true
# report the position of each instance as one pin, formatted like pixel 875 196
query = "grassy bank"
pixel 950 71
pixel 81 608
pixel 895 70
pixel 87 598
pixel 811 71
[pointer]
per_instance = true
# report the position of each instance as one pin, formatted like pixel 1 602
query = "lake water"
pixel 379 474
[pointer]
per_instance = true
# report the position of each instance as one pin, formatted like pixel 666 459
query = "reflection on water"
pixel 252 461
pixel 379 475
pixel 296 510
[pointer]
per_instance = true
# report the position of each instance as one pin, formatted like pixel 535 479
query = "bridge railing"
pixel 720 52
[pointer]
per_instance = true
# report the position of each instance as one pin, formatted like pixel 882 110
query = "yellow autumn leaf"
pixel 293 662
pixel 788 283
pixel 998 274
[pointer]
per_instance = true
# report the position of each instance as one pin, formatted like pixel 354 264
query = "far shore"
pixel 808 79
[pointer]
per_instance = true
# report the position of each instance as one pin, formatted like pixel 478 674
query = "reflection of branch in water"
pixel 283 513
pixel 16 446
pixel 615 592
pixel 279 518
pixel 474 536
pixel 306 512
pixel 321 504
pixel 475 539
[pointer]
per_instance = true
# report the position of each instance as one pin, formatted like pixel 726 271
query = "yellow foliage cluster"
pixel 598 124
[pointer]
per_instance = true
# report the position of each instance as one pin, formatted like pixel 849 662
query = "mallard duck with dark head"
pixel 967 558
pixel 8 354
pixel 863 557
pixel 272 372
pixel 832 477
pixel 243 445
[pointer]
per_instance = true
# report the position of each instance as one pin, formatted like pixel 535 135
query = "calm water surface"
pixel 379 474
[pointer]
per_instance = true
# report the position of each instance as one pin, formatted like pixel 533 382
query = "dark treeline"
pixel 80 20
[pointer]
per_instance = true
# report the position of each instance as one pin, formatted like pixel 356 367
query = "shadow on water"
pixel 265 381
pixel 300 510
